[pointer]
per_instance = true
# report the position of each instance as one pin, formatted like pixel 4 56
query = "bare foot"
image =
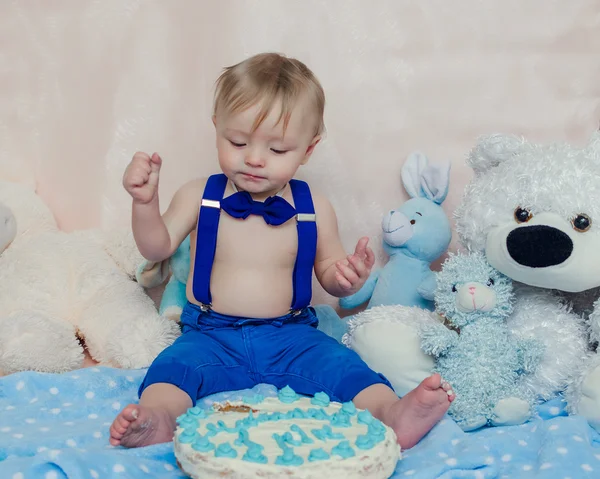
pixel 138 426
pixel 413 416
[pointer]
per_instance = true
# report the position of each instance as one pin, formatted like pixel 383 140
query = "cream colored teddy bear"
pixel 59 289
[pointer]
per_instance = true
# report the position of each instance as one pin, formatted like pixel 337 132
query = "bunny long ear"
pixel 435 182
pixel 426 181
pixel 411 173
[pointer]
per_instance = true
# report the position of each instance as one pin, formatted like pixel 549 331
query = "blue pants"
pixel 218 353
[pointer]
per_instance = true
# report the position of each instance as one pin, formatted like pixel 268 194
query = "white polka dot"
pixel 116 406
pixel 129 378
pixel 597 456
pixel 71 443
pixel 18 475
pixel 443 455
pixel 67 404
pixel 20 385
pixel 500 431
pixel 118 468
pixel 577 438
pixel 522 443
pixel 93 416
pixel 94 474
pixel 42 449
pixel 5 429
pixel 479 475
pixel 546 465
pixel 489 460
pixel 51 475
pixel 89 394
pixel 69 423
pixel 554 427
pixel 147 471
pixel 562 450
pixel 506 458
pixel 18 436
pixel 112 384
pixel 75 376
pixel 451 462
pixel 54 453
pixel 30 421
pixel 55 411
pixel 527 467
pixel 410 473
pixel 95 370
pixel 554 411
pixel 44 429
pixel 454 442
pixel 168 467
pixel 97 434
pixel 9 408
pixel 34 400
pixel 107 424
pixel 53 391
pixel 534 428
pixel 587 467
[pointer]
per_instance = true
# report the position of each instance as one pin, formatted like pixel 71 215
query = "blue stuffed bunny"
pixel 477 354
pixel 414 235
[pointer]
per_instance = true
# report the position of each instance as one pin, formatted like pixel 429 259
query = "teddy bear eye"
pixel 454 288
pixel 582 222
pixel 490 282
pixel 522 215
pixel 412 222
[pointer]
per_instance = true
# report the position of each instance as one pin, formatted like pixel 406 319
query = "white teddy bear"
pixel 60 289
pixel 534 210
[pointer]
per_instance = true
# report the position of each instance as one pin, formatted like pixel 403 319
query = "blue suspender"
pixel 206 237
pixel 307 244
pixel 206 241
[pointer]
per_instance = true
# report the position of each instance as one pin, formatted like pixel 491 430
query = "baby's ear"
pixel 491 150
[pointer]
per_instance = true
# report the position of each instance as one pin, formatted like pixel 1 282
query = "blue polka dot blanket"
pixel 55 426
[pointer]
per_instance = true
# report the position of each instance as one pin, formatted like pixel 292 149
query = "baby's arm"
pixel 156 236
pixel 340 274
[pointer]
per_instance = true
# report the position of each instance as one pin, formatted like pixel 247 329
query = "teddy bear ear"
pixel 491 150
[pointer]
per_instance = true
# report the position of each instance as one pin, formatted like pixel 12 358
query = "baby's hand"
pixel 352 273
pixel 141 177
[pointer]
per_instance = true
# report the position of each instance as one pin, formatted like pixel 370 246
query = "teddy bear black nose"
pixel 539 246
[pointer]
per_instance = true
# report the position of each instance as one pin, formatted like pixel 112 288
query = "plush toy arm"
pixel 363 294
pixel 531 352
pixel 436 339
pixel 427 287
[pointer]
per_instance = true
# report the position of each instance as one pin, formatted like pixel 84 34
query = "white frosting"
pixel 379 461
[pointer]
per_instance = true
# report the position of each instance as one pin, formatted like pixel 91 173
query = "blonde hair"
pixel 268 78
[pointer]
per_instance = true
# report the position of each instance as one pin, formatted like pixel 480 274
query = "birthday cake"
pixel 285 436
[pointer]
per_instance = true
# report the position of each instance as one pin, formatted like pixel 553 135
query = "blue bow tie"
pixel 275 210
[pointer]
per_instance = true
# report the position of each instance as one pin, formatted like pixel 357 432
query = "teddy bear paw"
pixel 589 403
pixel 511 411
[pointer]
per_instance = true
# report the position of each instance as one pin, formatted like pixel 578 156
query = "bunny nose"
pixel 471 289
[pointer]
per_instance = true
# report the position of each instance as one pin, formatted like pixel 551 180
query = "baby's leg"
pixel 196 365
pixel 412 416
pixel 315 362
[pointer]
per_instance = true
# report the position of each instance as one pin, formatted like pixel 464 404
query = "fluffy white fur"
pixel 57 286
pixel 555 183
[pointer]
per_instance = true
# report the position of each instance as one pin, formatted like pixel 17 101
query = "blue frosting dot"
pixel 318 414
pixel 187 422
pixel 275 416
pixel 242 437
pixel 250 420
pixel 344 450
pixel 349 408
pixel 225 450
pixel 288 438
pixel 364 442
pixel 295 413
pixel 187 436
pixel 287 395
pixel 317 455
pixel 320 399
pixel 365 417
pixel 197 412
pixel 255 399
pixel 254 454
pixel 340 419
pixel 202 444
pixel 303 436
pixel 288 458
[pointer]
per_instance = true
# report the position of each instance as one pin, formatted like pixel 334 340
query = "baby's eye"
pixel 279 152
pixel 237 145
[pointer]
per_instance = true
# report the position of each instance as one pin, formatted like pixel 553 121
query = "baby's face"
pixel 264 160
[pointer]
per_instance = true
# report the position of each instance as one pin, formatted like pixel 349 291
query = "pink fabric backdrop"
pixel 84 84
